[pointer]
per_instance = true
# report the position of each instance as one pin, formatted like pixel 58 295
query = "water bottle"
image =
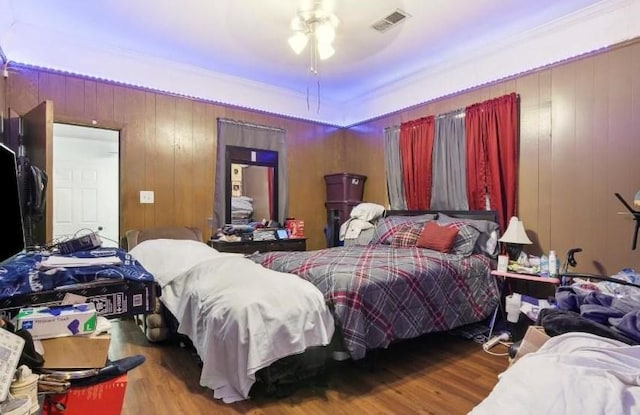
pixel 553 264
pixel 544 266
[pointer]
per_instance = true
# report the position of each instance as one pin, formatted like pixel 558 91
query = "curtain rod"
pixel 265 127
pixel 455 113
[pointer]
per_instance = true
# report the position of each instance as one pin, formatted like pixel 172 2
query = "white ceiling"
pixel 236 52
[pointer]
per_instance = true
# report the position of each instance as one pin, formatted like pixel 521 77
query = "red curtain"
pixel 416 145
pixel 492 155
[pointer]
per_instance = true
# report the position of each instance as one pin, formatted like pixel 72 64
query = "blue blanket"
pixel 23 274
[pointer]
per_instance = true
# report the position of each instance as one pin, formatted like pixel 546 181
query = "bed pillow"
pixel 437 237
pixel 407 234
pixel 465 242
pixel 386 227
pixel 487 242
pixel 167 259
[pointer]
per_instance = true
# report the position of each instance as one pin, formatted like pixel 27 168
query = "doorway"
pixel 86 182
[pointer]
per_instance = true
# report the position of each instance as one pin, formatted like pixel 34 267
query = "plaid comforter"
pixel 381 293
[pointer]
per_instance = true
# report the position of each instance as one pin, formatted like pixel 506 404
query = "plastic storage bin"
pixel 343 187
pixel 342 209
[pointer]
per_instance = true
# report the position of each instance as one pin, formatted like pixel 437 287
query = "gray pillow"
pixel 487 242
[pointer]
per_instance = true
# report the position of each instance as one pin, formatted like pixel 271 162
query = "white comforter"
pixel 240 316
pixel 575 373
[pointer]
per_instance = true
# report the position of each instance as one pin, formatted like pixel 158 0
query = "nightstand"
pixel 249 247
pixel 516 276
pixel 527 277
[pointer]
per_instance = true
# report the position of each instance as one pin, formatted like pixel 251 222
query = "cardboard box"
pixel 57 321
pixel 76 352
pixel 112 299
pixel 105 398
pixel 533 339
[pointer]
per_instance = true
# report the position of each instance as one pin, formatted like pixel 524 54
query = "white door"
pixel 85 182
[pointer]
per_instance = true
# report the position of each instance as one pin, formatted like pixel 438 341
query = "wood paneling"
pixel 437 374
pixel 168 145
pixel 579 143
pixel 579 124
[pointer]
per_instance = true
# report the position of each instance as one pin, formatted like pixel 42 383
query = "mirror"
pixel 251 185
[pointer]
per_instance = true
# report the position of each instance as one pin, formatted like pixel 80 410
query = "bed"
pixel 118 290
pixel 392 289
pixel 240 317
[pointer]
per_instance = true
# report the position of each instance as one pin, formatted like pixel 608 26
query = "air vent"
pixel 391 20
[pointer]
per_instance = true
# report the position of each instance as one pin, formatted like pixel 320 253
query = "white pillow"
pixel 166 259
pixel 367 211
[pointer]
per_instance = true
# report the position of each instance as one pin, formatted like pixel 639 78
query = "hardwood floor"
pixel 435 374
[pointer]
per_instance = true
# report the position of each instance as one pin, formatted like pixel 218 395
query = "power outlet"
pixel 146 196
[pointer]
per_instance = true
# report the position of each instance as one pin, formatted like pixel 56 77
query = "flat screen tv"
pixel 12 241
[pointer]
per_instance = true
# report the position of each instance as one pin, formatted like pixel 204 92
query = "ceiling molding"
pixel 593 28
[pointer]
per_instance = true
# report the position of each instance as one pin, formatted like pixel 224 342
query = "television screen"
pixel 11 229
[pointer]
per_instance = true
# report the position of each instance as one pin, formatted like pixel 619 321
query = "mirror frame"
pixel 254 157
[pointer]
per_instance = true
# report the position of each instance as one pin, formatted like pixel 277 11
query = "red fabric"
pixel 436 237
pixel 416 145
pixel 492 155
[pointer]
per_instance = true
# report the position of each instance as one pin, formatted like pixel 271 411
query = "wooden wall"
pixel 579 144
pixel 168 145
pixel 580 137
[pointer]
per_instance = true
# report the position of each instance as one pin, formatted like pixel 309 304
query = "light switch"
pixel 146 196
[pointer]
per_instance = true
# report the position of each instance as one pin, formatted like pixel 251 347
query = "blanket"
pixel 240 316
pixel 24 274
pixel 574 373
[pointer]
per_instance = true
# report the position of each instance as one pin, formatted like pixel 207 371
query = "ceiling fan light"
pixel 333 20
pixel 297 24
pixel 325 50
pixel 325 33
pixel 298 42
pixel 328 5
pixel 306 5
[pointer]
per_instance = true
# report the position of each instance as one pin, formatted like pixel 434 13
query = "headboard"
pixel 134 236
pixel 490 215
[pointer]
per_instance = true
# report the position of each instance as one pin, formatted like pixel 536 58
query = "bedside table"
pixel 249 247
pixel 516 276
pixel 527 277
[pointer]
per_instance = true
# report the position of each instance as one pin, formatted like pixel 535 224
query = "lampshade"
pixel 515 233
pixel 298 42
pixel 325 33
pixel 325 50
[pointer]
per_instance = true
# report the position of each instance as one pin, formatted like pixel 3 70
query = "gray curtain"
pixel 449 185
pixel 236 133
pixel 395 185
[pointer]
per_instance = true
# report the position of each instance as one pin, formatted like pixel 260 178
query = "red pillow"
pixel 436 237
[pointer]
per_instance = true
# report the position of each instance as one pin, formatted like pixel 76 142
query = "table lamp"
pixel 514 238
